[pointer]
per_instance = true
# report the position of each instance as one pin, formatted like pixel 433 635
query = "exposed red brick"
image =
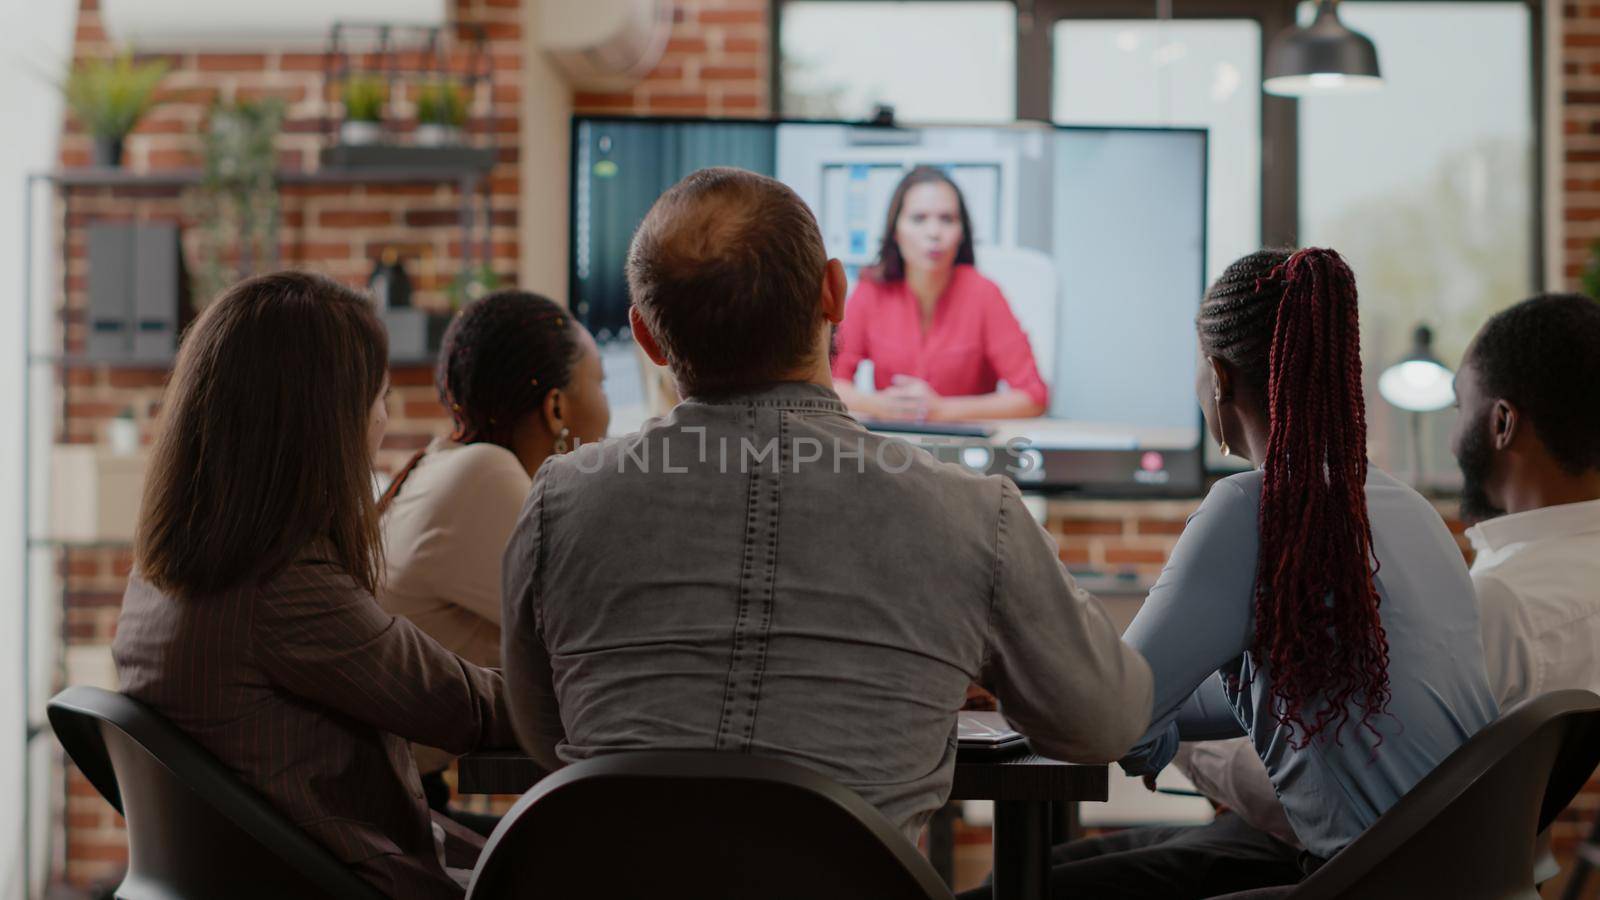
pixel 1075 556
pixel 689 45
pixel 733 44
pixel 193 96
pixel 1134 556
pixel 401 190
pixel 100 600
pixel 587 100
pixel 422 409
pixel 1161 526
pixel 743 101
pixel 230 62
pixel 301 62
pixel 157 125
pixel 136 378
pixel 502 31
pixel 316 251
pixel 355 218
pixel 292 94
pixel 88 820
pixel 733 17
pixel 675 101
pixel 94 409
pixel 729 73
pixel 1090 526
pixel 172 159
pixel 100 850
pixel 427 218
pixel 410 376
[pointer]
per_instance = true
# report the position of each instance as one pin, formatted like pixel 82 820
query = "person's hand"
pixel 1150 783
pixel 911 398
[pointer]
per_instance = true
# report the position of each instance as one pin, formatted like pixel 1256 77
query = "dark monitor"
pixel 1094 237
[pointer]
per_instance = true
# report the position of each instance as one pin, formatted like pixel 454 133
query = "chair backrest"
pixel 1468 830
pixel 704 825
pixel 194 829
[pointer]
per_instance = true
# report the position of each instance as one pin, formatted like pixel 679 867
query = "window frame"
pixel 1280 122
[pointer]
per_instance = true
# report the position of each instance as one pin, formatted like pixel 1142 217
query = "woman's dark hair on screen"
pixel 890 266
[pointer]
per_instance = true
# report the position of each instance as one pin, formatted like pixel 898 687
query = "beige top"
pixel 443 537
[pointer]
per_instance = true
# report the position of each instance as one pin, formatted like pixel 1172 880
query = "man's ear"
pixel 1504 423
pixel 645 339
pixel 834 287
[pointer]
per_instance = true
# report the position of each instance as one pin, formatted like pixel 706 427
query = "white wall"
pixel 35 46
pixel 546 151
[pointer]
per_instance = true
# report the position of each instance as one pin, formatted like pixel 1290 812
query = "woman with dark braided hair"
pixel 522 380
pixel 1314 603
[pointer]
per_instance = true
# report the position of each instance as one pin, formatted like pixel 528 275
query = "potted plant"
pixel 471 284
pixel 364 98
pixel 109 96
pixel 236 206
pixel 441 111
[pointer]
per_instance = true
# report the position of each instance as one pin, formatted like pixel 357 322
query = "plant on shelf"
pixel 471 284
pixel 364 98
pixel 236 206
pixel 441 111
pixel 108 96
pixel 1591 271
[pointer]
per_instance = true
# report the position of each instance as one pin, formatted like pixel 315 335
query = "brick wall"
pixel 1580 120
pixel 716 63
pixel 334 229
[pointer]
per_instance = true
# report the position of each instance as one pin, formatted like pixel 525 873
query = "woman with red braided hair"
pixel 1314 603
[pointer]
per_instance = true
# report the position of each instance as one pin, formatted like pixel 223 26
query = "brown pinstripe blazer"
pixel 310 692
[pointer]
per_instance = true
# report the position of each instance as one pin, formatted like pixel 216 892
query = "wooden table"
pixel 1025 788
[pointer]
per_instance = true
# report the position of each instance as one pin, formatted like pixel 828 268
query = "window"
pixel 932 61
pixel 1429 186
pixel 1432 202
pixel 1190 73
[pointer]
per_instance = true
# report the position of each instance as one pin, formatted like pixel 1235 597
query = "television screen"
pixel 1077 276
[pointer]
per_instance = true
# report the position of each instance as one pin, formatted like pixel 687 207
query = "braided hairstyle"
pixel 1288 323
pixel 502 356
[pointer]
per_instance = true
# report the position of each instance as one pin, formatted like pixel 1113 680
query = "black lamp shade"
pixel 1324 57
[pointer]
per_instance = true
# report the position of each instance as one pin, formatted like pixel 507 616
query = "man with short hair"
pixel 757 573
pixel 1528 441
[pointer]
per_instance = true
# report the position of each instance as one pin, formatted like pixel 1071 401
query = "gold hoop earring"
pixel 561 440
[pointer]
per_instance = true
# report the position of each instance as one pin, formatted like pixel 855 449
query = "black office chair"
pixel 704 825
pixel 194 830
pixel 1468 830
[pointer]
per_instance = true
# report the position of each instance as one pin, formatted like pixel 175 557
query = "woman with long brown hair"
pixel 249 620
pixel 1314 603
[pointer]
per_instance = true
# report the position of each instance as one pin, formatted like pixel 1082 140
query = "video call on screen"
pixel 1096 237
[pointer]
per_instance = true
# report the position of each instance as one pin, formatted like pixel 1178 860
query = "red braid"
pixel 1317 625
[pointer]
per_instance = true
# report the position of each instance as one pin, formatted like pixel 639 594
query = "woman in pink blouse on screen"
pixel 940 336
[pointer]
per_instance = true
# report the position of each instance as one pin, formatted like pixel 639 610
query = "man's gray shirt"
pixel 760 574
